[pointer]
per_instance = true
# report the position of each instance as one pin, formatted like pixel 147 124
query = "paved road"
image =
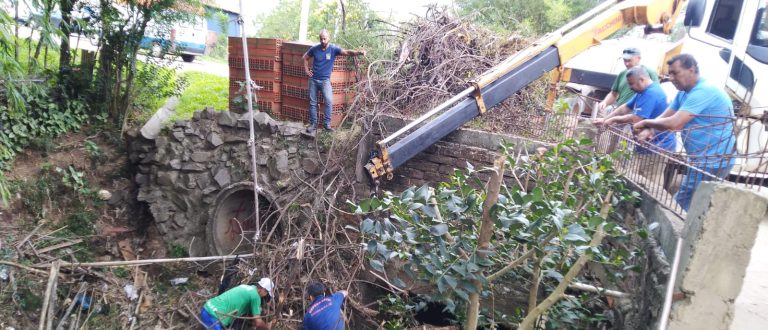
pixel 219 69
pixel 751 306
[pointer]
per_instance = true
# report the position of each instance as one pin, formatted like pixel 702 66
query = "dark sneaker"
pixel 311 130
pixel 329 128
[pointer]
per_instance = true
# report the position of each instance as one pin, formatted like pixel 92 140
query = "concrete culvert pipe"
pixel 232 225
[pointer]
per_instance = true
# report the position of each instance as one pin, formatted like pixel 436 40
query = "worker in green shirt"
pixel 620 91
pixel 219 312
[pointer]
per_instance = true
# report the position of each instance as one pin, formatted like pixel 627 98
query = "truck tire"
pixel 188 58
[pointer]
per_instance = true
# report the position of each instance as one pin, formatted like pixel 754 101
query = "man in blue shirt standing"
pixel 648 102
pixel 325 312
pixel 704 113
pixel 322 55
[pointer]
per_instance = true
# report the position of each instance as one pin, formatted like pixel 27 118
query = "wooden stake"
pixel 46 314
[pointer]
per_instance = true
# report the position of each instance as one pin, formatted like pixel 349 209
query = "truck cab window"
pixel 725 18
pixel 760 35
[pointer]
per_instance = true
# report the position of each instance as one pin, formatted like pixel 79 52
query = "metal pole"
pixel 304 20
pixel 252 138
pixel 670 286
pixel 429 114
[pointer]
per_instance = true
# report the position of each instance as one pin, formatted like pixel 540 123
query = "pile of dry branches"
pixel 437 56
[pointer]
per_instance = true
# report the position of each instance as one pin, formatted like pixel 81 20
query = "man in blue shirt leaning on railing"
pixel 704 113
pixel 648 102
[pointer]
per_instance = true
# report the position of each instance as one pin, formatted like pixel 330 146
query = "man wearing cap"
pixel 620 91
pixel 220 311
pixel 325 312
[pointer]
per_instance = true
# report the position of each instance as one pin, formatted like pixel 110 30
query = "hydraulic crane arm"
pixel 514 73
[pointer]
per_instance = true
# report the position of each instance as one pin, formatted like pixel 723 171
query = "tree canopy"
pixel 524 17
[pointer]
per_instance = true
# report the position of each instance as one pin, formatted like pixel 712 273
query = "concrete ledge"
pixel 719 234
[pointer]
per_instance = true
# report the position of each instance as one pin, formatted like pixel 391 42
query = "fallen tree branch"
pixel 595 289
pixel 27 268
pixel 59 246
pixel 49 299
pixel 144 261
pixel 26 238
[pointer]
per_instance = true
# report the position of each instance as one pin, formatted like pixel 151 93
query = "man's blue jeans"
pixel 325 88
pixel 209 321
pixel 694 178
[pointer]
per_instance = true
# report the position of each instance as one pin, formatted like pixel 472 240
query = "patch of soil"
pixel 120 228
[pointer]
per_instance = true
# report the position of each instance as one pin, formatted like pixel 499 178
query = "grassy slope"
pixel 204 90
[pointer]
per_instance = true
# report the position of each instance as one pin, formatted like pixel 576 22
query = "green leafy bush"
pixel 44 119
pixel 155 84
pixel 552 209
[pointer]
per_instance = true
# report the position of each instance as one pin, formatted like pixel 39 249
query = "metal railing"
pixel 726 149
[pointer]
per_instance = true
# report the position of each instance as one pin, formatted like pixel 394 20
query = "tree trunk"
pixel 134 44
pixel 533 294
pixel 65 55
pixel 484 239
pixel 559 291
pixel 48 7
pixel 16 32
pixel 343 16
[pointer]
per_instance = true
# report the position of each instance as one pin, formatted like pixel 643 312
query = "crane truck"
pixel 728 37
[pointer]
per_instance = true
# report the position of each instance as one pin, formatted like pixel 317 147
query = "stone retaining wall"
pixel 185 170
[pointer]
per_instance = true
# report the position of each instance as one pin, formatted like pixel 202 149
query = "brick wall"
pixel 436 163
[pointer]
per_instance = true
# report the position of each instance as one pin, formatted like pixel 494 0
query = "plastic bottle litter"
pixel 3 273
pixel 179 280
pixel 84 301
pixel 131 291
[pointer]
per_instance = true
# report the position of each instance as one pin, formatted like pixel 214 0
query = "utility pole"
pixel 304 22
pixel 252 139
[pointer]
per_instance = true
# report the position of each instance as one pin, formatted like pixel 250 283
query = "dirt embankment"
pixel 72 201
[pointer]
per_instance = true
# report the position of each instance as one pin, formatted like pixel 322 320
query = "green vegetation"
pixel 551 220
pixel 157 84
pixel 95 153
pixel 43 117
pixel 397 312
pixel 203 90
pixel 5 192
pixel 121 272
pixel 45 60
pixel 359 27
pixel 36 192
pixel 176 250
pixel 529 18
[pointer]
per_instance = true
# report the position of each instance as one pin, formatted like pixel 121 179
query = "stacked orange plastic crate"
pixel 295 85
pixel 265 69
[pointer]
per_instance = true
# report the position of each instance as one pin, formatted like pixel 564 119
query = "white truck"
pixel 186 38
